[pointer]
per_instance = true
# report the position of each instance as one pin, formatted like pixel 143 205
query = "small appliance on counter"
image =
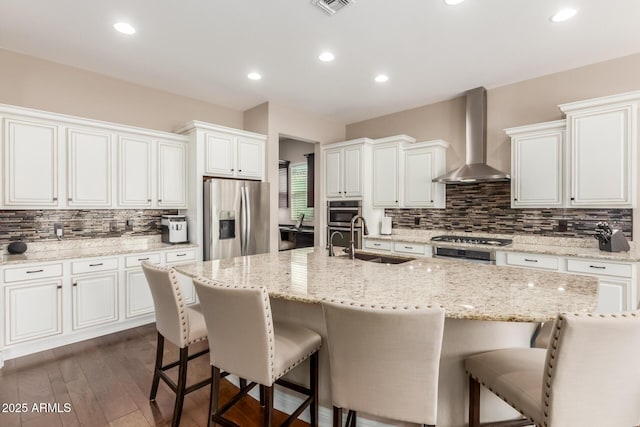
pixel 174 229
pixel 385 226
pixel 610 240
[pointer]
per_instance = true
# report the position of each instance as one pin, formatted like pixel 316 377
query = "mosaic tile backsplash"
pixel 486 207
pixel 38 225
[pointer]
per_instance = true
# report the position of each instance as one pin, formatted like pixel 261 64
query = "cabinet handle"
pixel 149 200
pixel 181 254
pixel 55 199
pixel 143 259
pixel 408 247
pixel 35 271
pixel 59 286
pixel 600 267
pixel 96 265
pixel 573 198
pixel 159 200
pixel 70 199
pixel 531 260
pixel 376 244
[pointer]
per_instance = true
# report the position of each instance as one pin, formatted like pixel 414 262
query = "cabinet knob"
pixel 515 199
pixel 75 284
pixel 59 286
pixel 573 198
pixel 70 199
pixel 159 200
pixel 431 201
pixel 239 170
pixel 149 200
pixel 55 199
pixel 231 170
pixel 396 201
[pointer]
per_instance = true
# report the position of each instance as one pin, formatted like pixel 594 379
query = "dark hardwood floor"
pixel 106 382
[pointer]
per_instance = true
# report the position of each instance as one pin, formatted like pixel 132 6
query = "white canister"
pixel 385 227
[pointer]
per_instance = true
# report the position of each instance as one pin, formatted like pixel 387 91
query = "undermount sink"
pixel 381 259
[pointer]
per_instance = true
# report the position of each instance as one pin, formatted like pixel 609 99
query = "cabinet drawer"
pixel 409 248
pixel 186 255
pixel 80 267
pixel 135 260
pixel 599 267
pixel 15 274
pixel 377 245
pixel 533 261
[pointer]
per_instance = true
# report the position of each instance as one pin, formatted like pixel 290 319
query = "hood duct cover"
pixel 476 168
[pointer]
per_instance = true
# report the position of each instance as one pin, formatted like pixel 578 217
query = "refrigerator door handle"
pixel 247 213
pixel 243 221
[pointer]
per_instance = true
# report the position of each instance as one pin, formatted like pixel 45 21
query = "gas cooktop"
pixel 489 241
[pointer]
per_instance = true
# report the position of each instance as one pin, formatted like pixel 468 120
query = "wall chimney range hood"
pixel 475 168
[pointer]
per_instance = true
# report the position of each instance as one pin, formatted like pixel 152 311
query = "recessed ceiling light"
pixel 563 15
pixel 326 57
pixel 381 78
pixel 453 2
pixel 124 28
pixel 254 76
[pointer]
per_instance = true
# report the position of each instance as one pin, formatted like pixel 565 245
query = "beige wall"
pixel 35 83
pixel 526 102
pixel 257 119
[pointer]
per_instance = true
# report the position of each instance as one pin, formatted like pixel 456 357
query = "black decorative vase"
pixel 17 247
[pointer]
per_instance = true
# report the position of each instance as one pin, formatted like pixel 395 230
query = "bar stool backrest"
pixel 240 329
pixel 385 361
pixel 171 318
pixel 592 374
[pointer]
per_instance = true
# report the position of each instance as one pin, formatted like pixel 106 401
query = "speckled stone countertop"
pixel 68 249
pixel 562 246
pixel 466 290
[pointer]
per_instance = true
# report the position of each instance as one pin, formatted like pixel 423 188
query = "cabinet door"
pixel 250 158
pixel 536 168
pixel 88 168
pixel 187 288
pixel 30 164
pixel 134 172
pixel 353 171
pixel 219 155
pixel 172 175
pixel 418 176
pixel 602 161
pixel 385 176
pixel 95 300
pixel 614 296
pixel 33 310
pixel 333 172
pixel 138 300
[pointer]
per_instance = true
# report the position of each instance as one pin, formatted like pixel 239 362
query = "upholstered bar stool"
pixel 384 361
pixel 250 345
pixel 180 325
pixel 588 376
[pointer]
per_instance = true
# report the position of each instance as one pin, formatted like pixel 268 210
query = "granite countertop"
pixel 68 249
pixel 466 290
pixel 560 246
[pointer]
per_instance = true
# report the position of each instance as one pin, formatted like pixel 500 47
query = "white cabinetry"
pixel 134 174
pixel 30 151
pixel 234 155
pixel 172 175
pixel 186 284
pixel 94 292
pixel 422 163
pixel 537 165
pixel 602 136
pixel 344 170
pixel 397 247
pixel 138 299
pixel 386 175
pixel 32 302
pixel 88 168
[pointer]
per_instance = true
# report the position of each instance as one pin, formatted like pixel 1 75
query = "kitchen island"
pixel 487 306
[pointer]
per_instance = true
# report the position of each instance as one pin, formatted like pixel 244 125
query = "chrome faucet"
pixel 331 252
pixel 365 231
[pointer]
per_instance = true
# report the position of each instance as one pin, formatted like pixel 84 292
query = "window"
pixel 298 190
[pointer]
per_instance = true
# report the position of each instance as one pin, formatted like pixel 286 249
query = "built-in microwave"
pixel 340 212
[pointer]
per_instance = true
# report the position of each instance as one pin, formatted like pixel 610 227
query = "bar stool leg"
pixel 261 395
pixel 313 386
pixel 474 403
pixel 337 417
pixel 268 406
pixel 182 385
pixel 351 419
pixel 158 367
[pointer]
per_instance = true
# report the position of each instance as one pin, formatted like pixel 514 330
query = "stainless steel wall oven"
pixel 339 215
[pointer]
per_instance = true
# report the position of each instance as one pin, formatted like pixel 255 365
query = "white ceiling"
pixel 431 52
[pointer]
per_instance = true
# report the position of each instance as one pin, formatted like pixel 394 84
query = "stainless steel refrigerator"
pixel 236 218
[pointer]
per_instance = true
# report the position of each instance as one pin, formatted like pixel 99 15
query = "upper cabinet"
pixel 233 153
pixel 586 161
pixel 53 161
pixel 537 165
pixel 344 169
pixel 386 168
pixel 30 150
pixel 422 163
pixel 602 143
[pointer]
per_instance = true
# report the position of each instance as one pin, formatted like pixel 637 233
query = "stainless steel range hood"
pixel 476 168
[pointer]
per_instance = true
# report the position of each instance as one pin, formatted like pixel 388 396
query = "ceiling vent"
pixel 331 6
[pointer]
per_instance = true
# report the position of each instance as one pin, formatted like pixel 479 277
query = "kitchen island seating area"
pixel 384 361
pixel 587 376
pixel 245 341
pixel 179 324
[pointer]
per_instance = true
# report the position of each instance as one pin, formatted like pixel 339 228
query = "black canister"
pixel 17 248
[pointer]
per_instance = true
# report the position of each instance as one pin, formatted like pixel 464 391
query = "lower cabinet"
pixel 94 300
pixel 138 300
pixel 397 247
pixel 32 310
pixel 614 296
